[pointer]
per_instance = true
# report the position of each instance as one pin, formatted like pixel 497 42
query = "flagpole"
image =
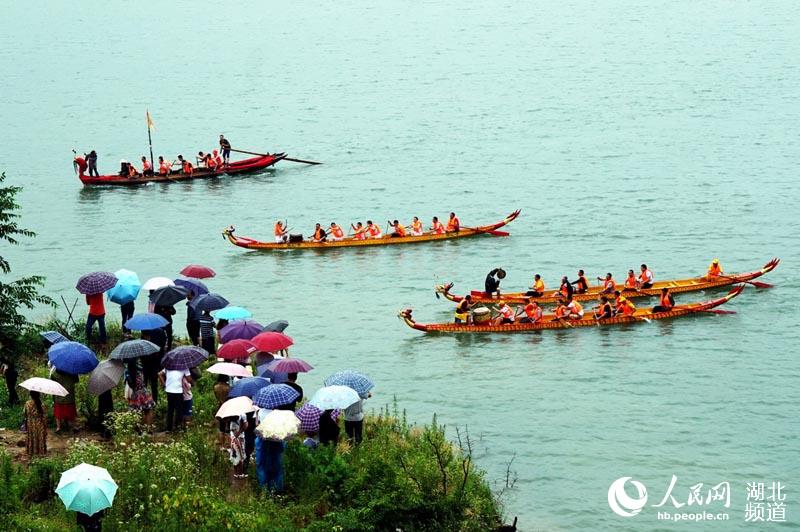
pixel 150 139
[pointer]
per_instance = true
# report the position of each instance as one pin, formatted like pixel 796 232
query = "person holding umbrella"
pixel 87 490
pixel 192 321
pixel 64 410
pixel 92 285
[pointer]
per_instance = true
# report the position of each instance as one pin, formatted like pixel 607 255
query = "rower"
pixel 562 311
pixel 603 311
pixel 359 233
pixel 714 270
pixel 453 224
pixel 437 226
pixel 623 306
pixel 666 303
pixel 399 230
pixel 581 284
pixel 532 311
pixel 281 233
pixel 147 167
pixel 225 146
pixel 630 281
pixel 566 288
pixel 319 234
pixel 492 283
pixel 645 278
pixel 132 172
pixel 373 231
pixel 462 310
pixel 506 314
pixel 186 166
pixel 575 309
pixel 163 166
pixel 336 233
pixel 416 227
pixel 201 159
pixel 537 289
pixel 608 284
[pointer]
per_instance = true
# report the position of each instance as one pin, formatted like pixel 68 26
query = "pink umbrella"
pixel 289 365
pixel 230 369
pixel 236 407
pixel 50 387
pixel 271 341
pixel 198 272
pixel 236 349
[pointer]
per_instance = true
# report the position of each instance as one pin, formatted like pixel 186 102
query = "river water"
pixel 655 132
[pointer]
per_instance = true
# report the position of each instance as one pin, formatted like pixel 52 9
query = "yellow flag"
pixel 150 124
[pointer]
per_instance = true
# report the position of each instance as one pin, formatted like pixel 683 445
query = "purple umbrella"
pixel 289 365
pixel 184 357
pixel 240 329
pixel 308 415
pixel 96 283
pixel 275 395
pixel 195 286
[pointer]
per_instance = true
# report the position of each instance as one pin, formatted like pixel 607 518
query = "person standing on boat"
pixel 492 283
pixel 453 224
pixel 147 167
pixel 666 303
pixel 609 285
pixel 537 289
pixel 416 227
pixel 645 278
pixel 91 161
pixel 335 232
pixel 581 284
pixel 225 147
pixel 281 234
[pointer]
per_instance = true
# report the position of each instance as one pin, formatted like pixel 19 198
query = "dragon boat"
pixel 549 321
pixel 253 164
pixel 675 286
pixel 386 240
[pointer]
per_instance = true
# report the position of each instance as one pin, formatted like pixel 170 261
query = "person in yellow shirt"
pixel 537 289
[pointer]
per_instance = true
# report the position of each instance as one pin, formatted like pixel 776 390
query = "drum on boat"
pixel 481 315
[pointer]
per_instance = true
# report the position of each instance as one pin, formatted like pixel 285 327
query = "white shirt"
pixel 355 412
pixel 173 381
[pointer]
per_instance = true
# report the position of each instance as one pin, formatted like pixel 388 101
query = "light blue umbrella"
pixel 232 313
pixel 126 289
pixel 331 397
pixel 87 489
pixel 146 322
pixel 353 379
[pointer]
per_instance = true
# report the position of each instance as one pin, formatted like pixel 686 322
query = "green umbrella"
pixel 87 489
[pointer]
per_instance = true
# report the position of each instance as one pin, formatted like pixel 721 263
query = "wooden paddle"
pixel 304 161
pixel 719 311
pixel 757 284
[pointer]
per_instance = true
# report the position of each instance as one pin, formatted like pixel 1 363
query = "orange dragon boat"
pixel 676 286
pixel 464 232
pixel 549 321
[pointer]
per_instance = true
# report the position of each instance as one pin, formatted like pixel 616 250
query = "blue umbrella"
pixel 247 387
pixel 195 286
pixel 276 377
pixel 240 330
pixel 72 357
pixel 126 289
pixel 146 322
pixel 232 313
pixel 184 357
pixel 53 337
pixel 352 379
pixel 208 302
pixel 96 283
pixel 275 395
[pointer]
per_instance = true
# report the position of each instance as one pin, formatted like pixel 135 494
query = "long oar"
pixel 304 161
pixel 719 311
pixel 757 284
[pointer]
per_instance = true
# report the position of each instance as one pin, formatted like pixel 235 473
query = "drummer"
pixel 462 314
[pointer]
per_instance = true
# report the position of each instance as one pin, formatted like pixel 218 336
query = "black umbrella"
pixel 168 295
pixel 208 302
pixel 276 326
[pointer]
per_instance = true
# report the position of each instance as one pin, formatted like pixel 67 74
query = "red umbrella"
pixel 198 272
pixel 236 349
pixel 271 341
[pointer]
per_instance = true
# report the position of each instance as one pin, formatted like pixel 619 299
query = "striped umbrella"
pixel 184 357
pixel 72 357
pixel 352 379
pixel 289 365
pixel 195 286
pixel 96 283
pixel 236 349
pixel 271 341
pixel 247 387
pixel 240 330
pixel 134 349
pixel 146 322
pixel 105 376
pixel 275 395
pixel 331 397
pixel 87 489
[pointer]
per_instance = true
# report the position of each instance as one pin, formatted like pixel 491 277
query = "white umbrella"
pixel 331 397
pixel 230 369
pixel 236 407
pixel 279 425
pixel 155 283
pixel 50 387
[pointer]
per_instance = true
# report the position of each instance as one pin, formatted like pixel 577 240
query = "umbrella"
pixel 331 397
pixel 105 376
pixel 352 379
pixel 87 489
pixel 275 395
pixel 208 302
pixel 154 283
pixel 184 357
pixel 289 365
pixel 72 357
pixel 236 407
pixel 278 425
pixel 53 337
pixel 233 313
pixel 271 341
pixel 146 322
pixel 244 330
pixel 197 271
pixel 96 283
pixel 308 415
pixel 193 285
pixel 134 349
pixel 50 387
pixel 275 377
pixel 126 289
pixel 236 349
pixel 166 296
pixel 247 387
pixel 230 369
pixel 276 326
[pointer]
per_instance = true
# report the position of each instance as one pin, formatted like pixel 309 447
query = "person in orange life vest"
pixel 714 269
pixel 603 310
pixel 211 162
pixel 462 314
pixel 566 288
pixel 532 311
pixel 630 281
pixel 164 167
pixel 217 158
pixel 132 171
pixel 202 159
pixel 505 314
pixel 562 312
pixel 335 232
pixel 80 165
pixel 186 166
pixel 147 167
pixel 373 231
pixel 281 234
pixel 581 284
pixel 359 233
pixel 319 234
pixel 666 302
pixel 416 227
pixel 609 286
pixel 537 290
pixel 575 309
pixel 399 230
pixel 645 278
pixel 453 224
pixel 622 305
pixel 437 226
